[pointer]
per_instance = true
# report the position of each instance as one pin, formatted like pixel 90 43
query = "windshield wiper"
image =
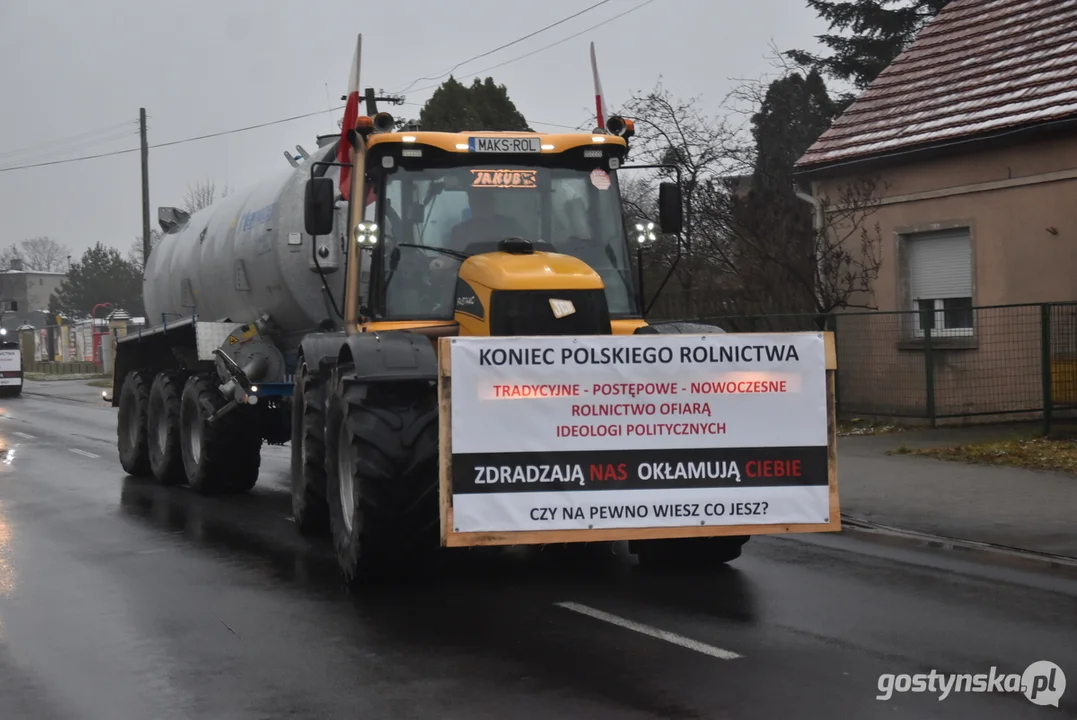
pixel 446 251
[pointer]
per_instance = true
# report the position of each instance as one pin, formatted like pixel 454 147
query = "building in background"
pixel 30 290
pixel 972 135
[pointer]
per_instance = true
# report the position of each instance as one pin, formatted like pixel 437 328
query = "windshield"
pixel 470 209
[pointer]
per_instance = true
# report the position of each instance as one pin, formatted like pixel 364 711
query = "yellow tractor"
pixel 451 234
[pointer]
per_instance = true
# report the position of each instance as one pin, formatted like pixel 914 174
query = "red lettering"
pixel 601 473
pixel 773 468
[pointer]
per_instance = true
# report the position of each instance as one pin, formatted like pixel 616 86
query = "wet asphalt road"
pixel 122 600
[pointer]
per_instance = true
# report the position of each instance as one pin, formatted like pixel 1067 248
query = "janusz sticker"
pixel 600 179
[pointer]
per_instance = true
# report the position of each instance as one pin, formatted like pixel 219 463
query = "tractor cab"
pixel 483 230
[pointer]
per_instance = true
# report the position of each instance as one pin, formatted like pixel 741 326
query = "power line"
pixel 170 143
pixel 213 135
pixel 502 47
pixel 340 107
pixel 553 44
pixel 88 137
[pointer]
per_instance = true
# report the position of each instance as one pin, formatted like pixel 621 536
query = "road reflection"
pixel 256 531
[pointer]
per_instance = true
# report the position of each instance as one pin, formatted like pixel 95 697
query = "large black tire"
pixel 163 428
pixel 688 553
pixel 222 457
pixel 310 509
pixel 132 424
pixel 382 442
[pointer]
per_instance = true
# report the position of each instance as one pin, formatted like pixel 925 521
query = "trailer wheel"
pixel 223 456
pixel 695 553
pixel 381 473
pixel 309 506
pixel 132 424
pixel 163 427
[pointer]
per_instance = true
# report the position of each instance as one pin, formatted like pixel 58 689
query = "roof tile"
pixel 979 66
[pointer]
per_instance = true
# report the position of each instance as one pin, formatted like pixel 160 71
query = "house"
pixel 30 291
pixel 972 134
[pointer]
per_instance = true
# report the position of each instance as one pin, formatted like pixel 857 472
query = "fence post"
pixel 832 321
pixel 1045 366
pixel 929 374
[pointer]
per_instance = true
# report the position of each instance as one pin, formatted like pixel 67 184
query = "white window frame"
pixel 939 328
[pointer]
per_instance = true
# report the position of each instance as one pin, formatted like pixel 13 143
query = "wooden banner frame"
pixel 452 538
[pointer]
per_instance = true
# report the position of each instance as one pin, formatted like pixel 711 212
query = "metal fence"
pixel 991 362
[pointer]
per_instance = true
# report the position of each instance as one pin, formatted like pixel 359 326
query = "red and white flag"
pixel 351 114
pixel 600 101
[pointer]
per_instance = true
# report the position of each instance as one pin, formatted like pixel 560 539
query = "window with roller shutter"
pixel 940 281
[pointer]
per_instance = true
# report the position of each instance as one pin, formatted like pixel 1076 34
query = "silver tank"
pixel 247 256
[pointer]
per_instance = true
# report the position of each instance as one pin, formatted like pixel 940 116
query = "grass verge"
pixel 1034 453
pixel 105 382
pixel 859 426
pixel 48 377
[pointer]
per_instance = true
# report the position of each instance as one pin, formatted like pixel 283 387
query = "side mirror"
pixel 319 205
pixel 670 213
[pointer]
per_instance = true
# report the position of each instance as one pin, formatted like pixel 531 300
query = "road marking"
pixel 650 631
pixel 25 435
pixel 83 452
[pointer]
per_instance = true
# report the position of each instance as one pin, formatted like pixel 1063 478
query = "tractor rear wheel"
pixel 132 424
pixel 381 472
pixel 223 456
pixel 163 425
pixel 309 506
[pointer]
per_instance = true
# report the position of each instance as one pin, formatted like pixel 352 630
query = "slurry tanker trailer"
pixel 452 342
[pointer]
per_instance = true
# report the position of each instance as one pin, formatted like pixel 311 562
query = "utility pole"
pixel 145 187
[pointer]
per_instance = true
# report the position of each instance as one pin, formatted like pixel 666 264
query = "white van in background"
pixel 10 366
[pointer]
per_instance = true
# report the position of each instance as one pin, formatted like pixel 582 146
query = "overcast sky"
pixel 75 73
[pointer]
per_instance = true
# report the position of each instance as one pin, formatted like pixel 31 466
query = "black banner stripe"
pixel 587 470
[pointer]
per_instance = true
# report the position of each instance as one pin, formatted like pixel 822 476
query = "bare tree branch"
pixel 42 254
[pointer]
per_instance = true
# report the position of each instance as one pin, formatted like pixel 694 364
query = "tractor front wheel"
pixel 381 472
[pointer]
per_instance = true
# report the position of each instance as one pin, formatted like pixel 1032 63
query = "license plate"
pixel 504 144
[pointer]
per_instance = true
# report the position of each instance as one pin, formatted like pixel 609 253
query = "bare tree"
pixel 671 131
pixel 202 195
pixel 781 268
pixel 42 254
pixel 752 246
pixel 135 254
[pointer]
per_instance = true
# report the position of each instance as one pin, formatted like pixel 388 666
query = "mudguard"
pixel 677 327
pixel 392 355
pixel 320 350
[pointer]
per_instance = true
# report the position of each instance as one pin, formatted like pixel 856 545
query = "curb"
pixel 997 553
pixel 61 398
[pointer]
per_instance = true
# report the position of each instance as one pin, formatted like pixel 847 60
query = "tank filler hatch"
pixel 172 219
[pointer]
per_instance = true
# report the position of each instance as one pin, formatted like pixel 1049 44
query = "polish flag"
pixel 600 102
pixel 351 114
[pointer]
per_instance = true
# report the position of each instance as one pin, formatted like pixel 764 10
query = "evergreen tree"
pixel 794 113
pixel 101 275
pixel 455 107
pixel 779 241
pixel 878 31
